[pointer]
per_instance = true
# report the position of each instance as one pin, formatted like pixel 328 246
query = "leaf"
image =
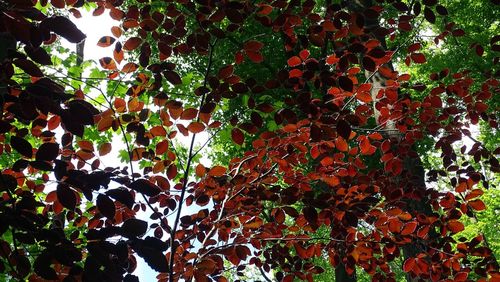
pixel 217 171
pixel 106 206
pixel 237 136
pixel 104 149
pixel 341 144
pixel 255 57
pixel 409 228
pixel 28 67
pixel 122 195
pixel 253 46
pixel 310 214
pixel 418 58
pixel 196 127
pixel 477 204
pixel 66 196
pixel 172 77
pixel 63 27
pixel 116 31
pixel 130 67
pixel 145 187
pixel 294 61
pixel 107 63
pixel 364 97
pixel 455 226
pixel 429 15
pixel 132 43
pixel 134 227
pixel 343 129
pixel 105 41
pixel 225 72
pixel 22 146
pixel 47 152
pixel 206 266
pixel 409 264
pixel 346 83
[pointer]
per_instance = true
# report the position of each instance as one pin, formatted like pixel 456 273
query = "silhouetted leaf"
pixel 47 152
pixel 63 27
pixel 134 227
pixel 343 129
pixel 145 187
pixel 106 206
pixel 66 196
pixel 22 146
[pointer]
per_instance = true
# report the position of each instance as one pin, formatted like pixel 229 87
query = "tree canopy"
pixel 346 140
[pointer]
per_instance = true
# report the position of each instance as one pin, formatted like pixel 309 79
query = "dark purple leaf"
pixel 145 187
pixel 106 206
pixel 344 129
pixel 63 27
pixel 66 196
pixel 47 152
pixel 22 146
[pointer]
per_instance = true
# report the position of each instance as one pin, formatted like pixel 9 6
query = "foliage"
pixel 328 129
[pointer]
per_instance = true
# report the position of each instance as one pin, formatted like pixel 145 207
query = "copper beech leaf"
pixel 22 146
pixel 237 136
pixel 145 187
pixel 217 171
pixel 106 206
pixel 343 129
pixel 105 41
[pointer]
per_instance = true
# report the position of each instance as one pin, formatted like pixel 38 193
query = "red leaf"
pixel 237 136
pixel 295 73
pixel 304 54
pixel 253 46
pixel 478 205
pixel 217 171
pixel 130 67
pixel 409 228
pixel 196 127
pixel 341 144
pixel 418 58
pixel 132 43
pixel 455 226
pixel 332 59
pixel 255 57
pixel 294 61
pixel 225 72
pixel 409 265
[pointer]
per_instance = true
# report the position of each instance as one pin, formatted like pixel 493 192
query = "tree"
pixel 328 161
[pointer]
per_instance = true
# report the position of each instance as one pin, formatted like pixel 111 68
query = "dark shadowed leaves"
pixel 38 54
pixel 344 129
pixel 29 67
pixel 145 187
pixel 42 267
pixel 153 257
pixel 133 227
pixel 66 196
pixel 22 146
pixel 106 206
pixel 346 83
pixel 122 195
pixel 63 27
pixel 310 214
pixel 47 152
